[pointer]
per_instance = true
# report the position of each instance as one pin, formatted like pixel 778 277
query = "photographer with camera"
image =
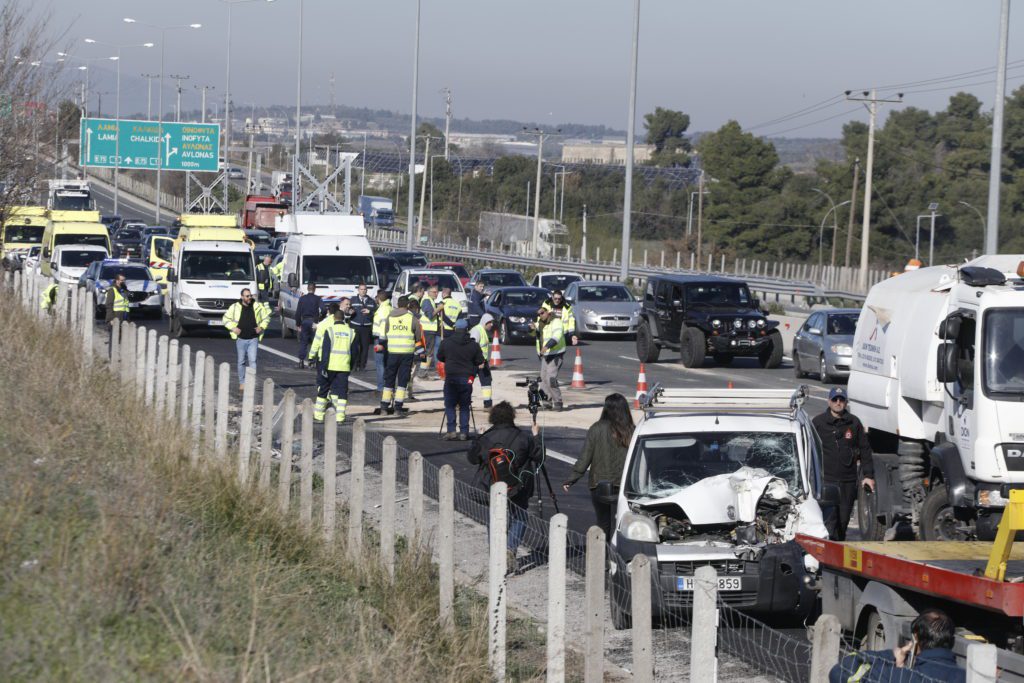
pixel 507 453
pixel 604 454
pixel 463 360
pixel 550 334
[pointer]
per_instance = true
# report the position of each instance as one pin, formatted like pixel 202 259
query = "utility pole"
pixel 412 134
pixel 177 106
pixel 627 201
pixel 202 103
pixel 700 215
pixel 996 164
pixel 540 135
pixel 423 190
pixel 853 210
pixel 873 101
pixel 447 92
pixel 296 180
pixel 149 94
pixel 933 207
pixel 583 248
pixel 330 82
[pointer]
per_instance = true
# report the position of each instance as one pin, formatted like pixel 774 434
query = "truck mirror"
pixel 171 275
pixel 946 363
pixel 950 327
pixel 293 280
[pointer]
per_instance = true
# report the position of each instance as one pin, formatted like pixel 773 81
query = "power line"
pixel 812 123
pixel 824 104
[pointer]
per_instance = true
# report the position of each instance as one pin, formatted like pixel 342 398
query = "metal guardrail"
pixel 610 271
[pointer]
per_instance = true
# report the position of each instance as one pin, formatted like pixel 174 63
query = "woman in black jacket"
pixel 604 454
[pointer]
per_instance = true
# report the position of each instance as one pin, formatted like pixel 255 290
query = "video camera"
pixel 534 394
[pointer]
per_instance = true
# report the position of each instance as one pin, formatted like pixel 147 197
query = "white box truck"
pixel 516 233
pixel 938 380
pixel 330 250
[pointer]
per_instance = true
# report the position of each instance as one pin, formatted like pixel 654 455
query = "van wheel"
pixel 286 332
pixel 177 330
pixel 938 519
pixel 691 348
pixel 771 357
pixel 646 350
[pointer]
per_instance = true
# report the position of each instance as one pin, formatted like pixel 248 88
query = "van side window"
pixel 663 293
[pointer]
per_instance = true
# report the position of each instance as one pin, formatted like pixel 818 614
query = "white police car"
pixel 144 293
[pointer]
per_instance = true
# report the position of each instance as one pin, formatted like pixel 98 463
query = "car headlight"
pixel 716 323
pixel 638 528
pixel 842 349
pixel 760 322
pixel 517 318
pixel 589 311
pixel 751 324
pixel 737 323
pixel 188 302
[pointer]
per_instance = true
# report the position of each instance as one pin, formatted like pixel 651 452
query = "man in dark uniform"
pixel 844 447
pixel 363 308
pixel 307 315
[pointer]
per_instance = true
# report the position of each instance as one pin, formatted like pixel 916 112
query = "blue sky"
pixel 566 60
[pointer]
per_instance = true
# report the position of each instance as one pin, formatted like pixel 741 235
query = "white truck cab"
pixel 69 261
pixel 331 251
pixel 938 379
pixel 205 278
pixel 428 277
pixel 724 478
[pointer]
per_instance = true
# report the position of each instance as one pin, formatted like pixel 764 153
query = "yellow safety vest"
pixel 120 302
pixel 568 318
pixel 485 343
pixel 48 298
pixel 234 314
pixel 399 334
pixel 263 284
pixel 318 340
pixel 379 316
pixel 452 310
pixel 553 330
pixel 426 322
pixel 341 345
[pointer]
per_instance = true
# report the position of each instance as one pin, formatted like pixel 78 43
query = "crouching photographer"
pixel 507 453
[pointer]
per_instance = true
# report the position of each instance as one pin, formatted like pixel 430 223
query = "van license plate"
pixel 725 583
pixel 213 323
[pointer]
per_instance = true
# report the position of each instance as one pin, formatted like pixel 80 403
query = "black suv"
pixel 705 315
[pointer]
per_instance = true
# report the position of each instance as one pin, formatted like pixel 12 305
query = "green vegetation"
pixel 120 561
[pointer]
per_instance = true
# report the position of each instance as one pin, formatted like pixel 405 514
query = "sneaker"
pixel 302 365
pixel 488 405
pixel 377 411
pixel 449 436
pixel 463 436
pixel 390 411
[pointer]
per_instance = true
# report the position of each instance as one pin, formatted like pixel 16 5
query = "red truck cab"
pixel 261 212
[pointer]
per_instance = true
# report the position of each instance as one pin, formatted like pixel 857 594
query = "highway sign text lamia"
pixel 149 145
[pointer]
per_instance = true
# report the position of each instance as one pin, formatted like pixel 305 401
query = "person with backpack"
pixel 507 453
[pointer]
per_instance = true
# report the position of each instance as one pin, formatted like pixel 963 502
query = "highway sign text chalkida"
pixel 149 145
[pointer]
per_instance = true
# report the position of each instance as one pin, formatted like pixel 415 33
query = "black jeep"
pixel 705 315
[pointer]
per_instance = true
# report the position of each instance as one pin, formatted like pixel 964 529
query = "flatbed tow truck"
pixel 877 588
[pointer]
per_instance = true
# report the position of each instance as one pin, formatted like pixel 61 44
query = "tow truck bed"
pixel 954 571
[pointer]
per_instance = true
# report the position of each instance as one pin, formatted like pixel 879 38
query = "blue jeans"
pixel 246 351
pixel 458 391
pixel 516 520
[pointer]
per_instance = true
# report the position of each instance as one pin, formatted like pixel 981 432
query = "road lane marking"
pixel 288 356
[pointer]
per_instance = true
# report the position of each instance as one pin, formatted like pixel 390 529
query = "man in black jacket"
pixel 844 446
pixel 462 360
pixel 307 315
pixel 527 458
pixel 363 308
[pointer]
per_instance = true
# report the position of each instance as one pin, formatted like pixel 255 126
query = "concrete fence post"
pixel 416 500
pixel 640 596
pixel 597 254
pixel 355 496
pixel 662 258
pixel 306 466
pixel 127 360
pixel 115 348
pixel 150 377
pixel 266 434
pixel 173 372
pixel 981 663
pixel 220 442
pixel 330 473
pixel 693 260
pixel 387 504
pixel 284 470
pixel 498 566
pixel 593 601
pixel 198 384
pixel 631 257
pixel 72 307
pixel 209 404
pixel 615 254
pixel 556 598
pixel 704 625
pixel 186 385
pixel 88 331
pixel 824 646
pixel 160 375
pixel 679 256
pixel 446 546
pixel 245 428
pixel 140 362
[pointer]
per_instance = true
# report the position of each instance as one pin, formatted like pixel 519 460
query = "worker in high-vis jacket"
pixel 380 353
pixel 558 303
pixel 450 311
pixel 332 354
pixel 402 338
pixel 48 298
pixel 551 349
pixel 481 334
pixel 247 321
pixel 263 277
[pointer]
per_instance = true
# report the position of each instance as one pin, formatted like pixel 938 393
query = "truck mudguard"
pixel 891 607
pixel 945 457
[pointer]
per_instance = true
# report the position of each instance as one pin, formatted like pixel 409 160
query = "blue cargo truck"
pixel 377 211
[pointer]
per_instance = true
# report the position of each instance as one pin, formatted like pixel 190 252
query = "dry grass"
pixel 118 561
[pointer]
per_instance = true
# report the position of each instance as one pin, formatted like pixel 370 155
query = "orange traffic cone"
pixel 729 385
pixel 495 351
pixel 577 372
pixel 641 386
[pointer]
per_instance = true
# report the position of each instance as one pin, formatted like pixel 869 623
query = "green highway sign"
pixel 149 145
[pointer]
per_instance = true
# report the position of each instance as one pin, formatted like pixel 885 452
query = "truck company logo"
pixel 883 318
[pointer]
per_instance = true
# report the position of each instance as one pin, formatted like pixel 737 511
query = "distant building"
pixel 608 152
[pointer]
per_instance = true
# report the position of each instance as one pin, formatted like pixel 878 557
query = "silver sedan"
pixel 824 344
pixel 603 308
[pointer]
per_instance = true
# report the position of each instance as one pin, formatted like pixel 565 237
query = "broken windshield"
pixel 666 463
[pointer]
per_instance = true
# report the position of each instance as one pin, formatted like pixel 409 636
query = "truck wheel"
pixel 938 519
pixel 723 359
pixel 646 350
pixel 874 633
pixel 823 371
pixel 692 348
pixel 871 528
pixel 771 357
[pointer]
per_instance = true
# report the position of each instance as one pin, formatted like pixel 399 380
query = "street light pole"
pixel 296 181
pixel 996 163
pixel 412 129
pixel 149 94
pixel 627 204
